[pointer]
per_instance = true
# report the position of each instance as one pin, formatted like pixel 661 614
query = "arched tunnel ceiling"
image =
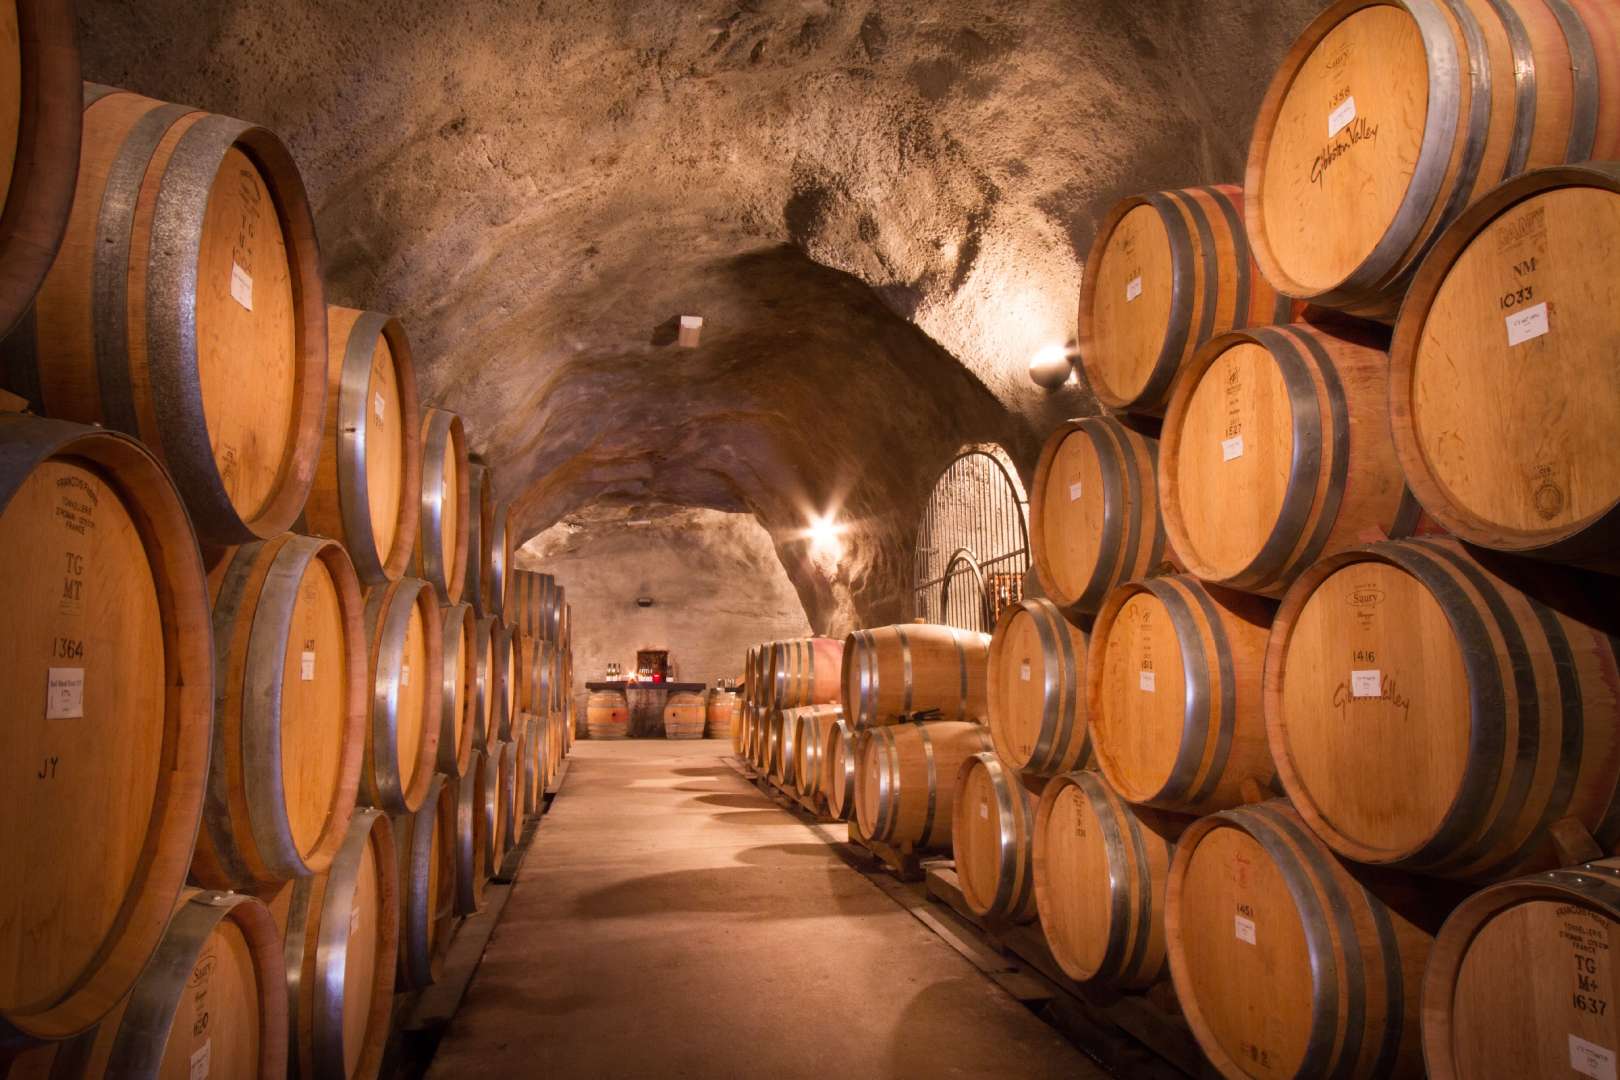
pixel 880 208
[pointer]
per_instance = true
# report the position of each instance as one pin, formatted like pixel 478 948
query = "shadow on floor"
pixel 740 802
pixel 718 770
pixel 766 854
pixel 755 817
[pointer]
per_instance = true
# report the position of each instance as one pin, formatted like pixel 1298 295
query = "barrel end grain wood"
pixel 1035 691
pixel 158 319
pixel 1502 389
pixel 289 721
pixel 111 716
pixel 992 815
pixel 42 122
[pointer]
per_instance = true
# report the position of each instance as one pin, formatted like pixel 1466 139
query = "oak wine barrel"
pixel 472 835
pixel 425 850
pixel 500 559
pixel 607 715
pixel 442 547
pixel 1036 689
pixel 1285 964
pixel 806 744
pixel 342 940
pixel 486 639
pixel 1174 693
pixel 812 672
pixel 1094 519
pixel 479 581
pixel 497 790
pixel 460 695
pixel 185 307
pixel 683 716
pixel 1100 867
pixel 1168 271
pixel 837 782
pixel 894 671
pixel 512 776
pixel 1276 452
pixel 1503 394
pixel 779 746
pixel 1432 712
pixel 109 717
pixel 406 683
pixel 536 762
pixel 41 119
pixel 367 491
pixel 290 713
pixel 991 819
pixel 504 677
pixel 1522 977
pixel 740 710
pixel 1387 119
pixel 213 1000
pixel 717 718
pixel 904 789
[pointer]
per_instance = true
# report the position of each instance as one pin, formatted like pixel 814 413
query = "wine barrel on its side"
pixel 41 120
pixel 894 671
pixel 342 939
pixel 1100 867
pixel 1503 399
pixel 1036 689
pixel 1276 453
pixel 607 715
pixel 991 818
pixel 1174 693
pixel 1522 978
pixel 290 713
pixel 511 808
pixel 1285 964
pixel 504 676
pixel 1385 120
pixel 485 638
pixel 215 992
pixel 500 559
pixel 460 696
pixel 1434 712
pixel 1168 271
pixel 838 769
pixel 805 745
pixel 367 491
pixel 406 682
pixel 717 716
pixel 779 735
pixel 472 836
pixel 1094 519
pixel 904 789
pixel 683 716
pixel 110 717
pixel 425 850
pixel 739 725
pixel 497 792
pixel 442 546
pixel 814 671
pixel 479 581
pixel 185 307
pixel 536 764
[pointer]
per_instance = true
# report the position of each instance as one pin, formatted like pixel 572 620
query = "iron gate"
pixel 972 542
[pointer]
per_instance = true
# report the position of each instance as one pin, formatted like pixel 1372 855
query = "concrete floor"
pixel 670 921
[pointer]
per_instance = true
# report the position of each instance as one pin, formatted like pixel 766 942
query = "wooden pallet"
pixel 902 862
pixel 1159 1043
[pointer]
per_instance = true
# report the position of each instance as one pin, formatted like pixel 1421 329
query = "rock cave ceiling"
pixel 879 207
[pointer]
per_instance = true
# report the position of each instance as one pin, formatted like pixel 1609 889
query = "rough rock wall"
pixel 880 206
pixel 714 578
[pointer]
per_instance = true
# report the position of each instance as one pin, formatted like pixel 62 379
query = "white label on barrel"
pixel 1023 671
pixel 241 286
pixel 1244 928
pixel 1133 288
pixel 984 812
pixel 378 405
pixel 1590 1059
pixel 200 1060
pixel 404 674
pixel 1527 325
pixel 1074 491
pixel 1144 679
pixel 64 693
pixel 1339 117
pixel 1368 683
pixel 1232 448
pixel 307 665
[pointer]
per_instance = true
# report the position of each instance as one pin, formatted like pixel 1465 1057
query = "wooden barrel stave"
pixel 472 836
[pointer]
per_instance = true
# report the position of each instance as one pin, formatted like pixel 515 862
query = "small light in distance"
pixel 1050 367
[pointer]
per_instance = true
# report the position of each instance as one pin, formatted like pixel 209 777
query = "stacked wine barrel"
pixel 263 679
pixel 1402 326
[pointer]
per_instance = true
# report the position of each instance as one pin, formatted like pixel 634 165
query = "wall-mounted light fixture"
pixel 691 329
pixel 1051 367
